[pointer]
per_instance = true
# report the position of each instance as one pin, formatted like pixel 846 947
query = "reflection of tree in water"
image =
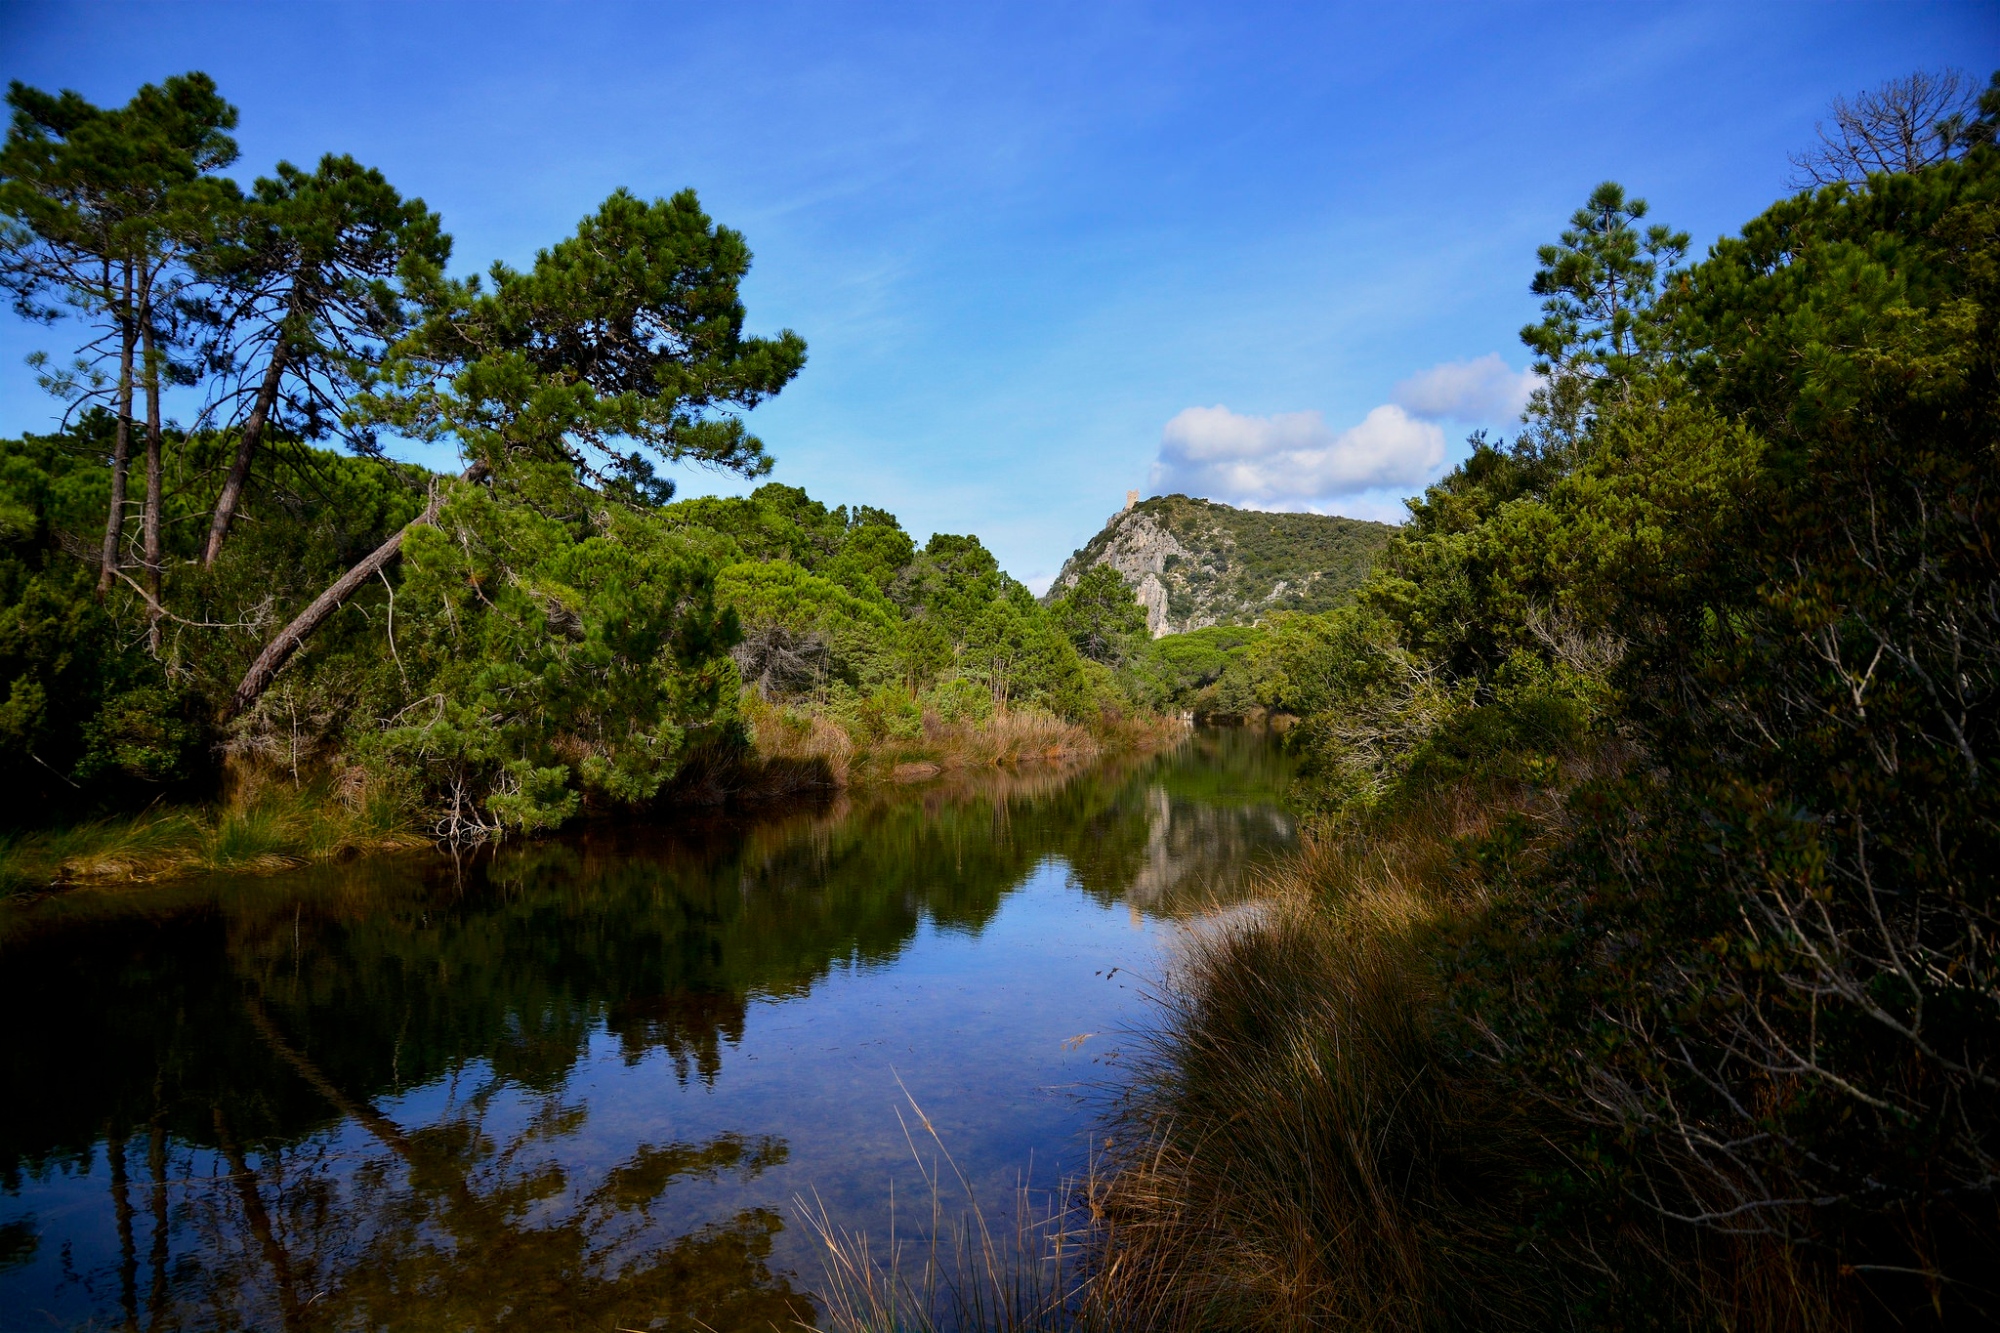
pixel 453 1225
pixel 243 1024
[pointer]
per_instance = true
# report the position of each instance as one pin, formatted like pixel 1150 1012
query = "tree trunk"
pixel 121 452
pixel 156 1164
pixel 259 1219
pixel 121 1210
pixel 246 446
pixel 150 516
pixel 364 1113
pixel 280 649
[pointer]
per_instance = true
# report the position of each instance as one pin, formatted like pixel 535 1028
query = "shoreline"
pixel 278 827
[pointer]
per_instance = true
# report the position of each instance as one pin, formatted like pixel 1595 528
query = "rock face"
pixel 1194 563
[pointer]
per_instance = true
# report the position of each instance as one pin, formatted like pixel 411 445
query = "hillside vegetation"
pixel 1194 563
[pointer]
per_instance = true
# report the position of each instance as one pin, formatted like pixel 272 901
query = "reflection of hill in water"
pixel 1196 855
pixel 250 1019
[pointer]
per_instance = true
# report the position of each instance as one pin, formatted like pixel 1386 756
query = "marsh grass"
pixel 272 827
pixel 953 1273
pixel 1297 1152
pixel 1313 1141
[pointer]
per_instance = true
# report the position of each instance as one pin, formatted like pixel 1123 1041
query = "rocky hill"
pixel 1194 563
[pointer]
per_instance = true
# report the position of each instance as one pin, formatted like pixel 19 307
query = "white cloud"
pixel 1293 459
pixel 1483 389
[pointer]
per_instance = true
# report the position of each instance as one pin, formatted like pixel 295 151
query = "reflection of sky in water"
pixel 627 1064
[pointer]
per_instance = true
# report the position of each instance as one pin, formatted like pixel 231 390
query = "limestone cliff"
pixel 1194 563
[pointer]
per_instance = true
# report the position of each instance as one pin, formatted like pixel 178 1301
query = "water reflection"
pixel 518 1092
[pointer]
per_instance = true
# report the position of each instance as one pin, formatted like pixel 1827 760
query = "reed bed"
pixel 1311 1140
pixel 1297 1151
pixel 1007 738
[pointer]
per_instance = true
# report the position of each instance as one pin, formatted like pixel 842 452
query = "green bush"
pixel 1723 623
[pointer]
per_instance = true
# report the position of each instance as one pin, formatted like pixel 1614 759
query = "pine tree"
pixel 313 278
pixel 105 210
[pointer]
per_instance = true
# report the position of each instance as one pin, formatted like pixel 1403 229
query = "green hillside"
pixel 1194 563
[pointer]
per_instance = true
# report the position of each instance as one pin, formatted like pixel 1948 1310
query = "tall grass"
pixel 1313 1141
pixel 953 1273
pixel 270 828
pixel 1007 737
pixel 1298 1152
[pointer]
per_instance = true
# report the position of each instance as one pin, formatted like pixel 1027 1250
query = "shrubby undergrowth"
pixel 1644 972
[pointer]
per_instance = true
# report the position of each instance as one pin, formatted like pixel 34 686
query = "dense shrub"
pixel 1724 625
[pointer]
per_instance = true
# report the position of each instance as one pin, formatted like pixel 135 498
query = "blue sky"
pixel 1046 253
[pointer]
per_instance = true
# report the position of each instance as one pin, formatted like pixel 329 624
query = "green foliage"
pixel 546 640
pixel 546 658
pixel 504 649
pixel 93 193
pixel 630 333
pixel 842 637
pixel 1210 672
pixel 1739 631
pixel 874 552
pixel 87 718
pixel 861 551
pixel 1599 285
pixel 1100 615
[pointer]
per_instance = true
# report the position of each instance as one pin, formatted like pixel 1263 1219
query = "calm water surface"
pixel 582 1084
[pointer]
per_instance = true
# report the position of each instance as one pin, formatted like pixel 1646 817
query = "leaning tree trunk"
pixel 150 516
pixel 280 649
pixel 121 450
pixel 246 448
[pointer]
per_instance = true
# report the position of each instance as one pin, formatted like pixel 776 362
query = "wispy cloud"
pixel 1292 459
pixel 1482 389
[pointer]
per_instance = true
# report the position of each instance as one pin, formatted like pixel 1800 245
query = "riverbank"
pixel 277 829
pixel 1315 1136
pixel 867 749
pixel 1319 1135
pixel 264 827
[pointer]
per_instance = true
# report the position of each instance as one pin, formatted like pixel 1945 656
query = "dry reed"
pixel 1297 1152
pixel 1007 738
pixel 954 1272
pixel 1312 1142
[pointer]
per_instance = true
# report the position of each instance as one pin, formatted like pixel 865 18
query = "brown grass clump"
pixel 1298 1152
pixel 850 754
pixel 811 738
pixel 1020 735
pixel 1312 1142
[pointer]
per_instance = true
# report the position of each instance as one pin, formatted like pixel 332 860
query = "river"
pixel 587 1082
